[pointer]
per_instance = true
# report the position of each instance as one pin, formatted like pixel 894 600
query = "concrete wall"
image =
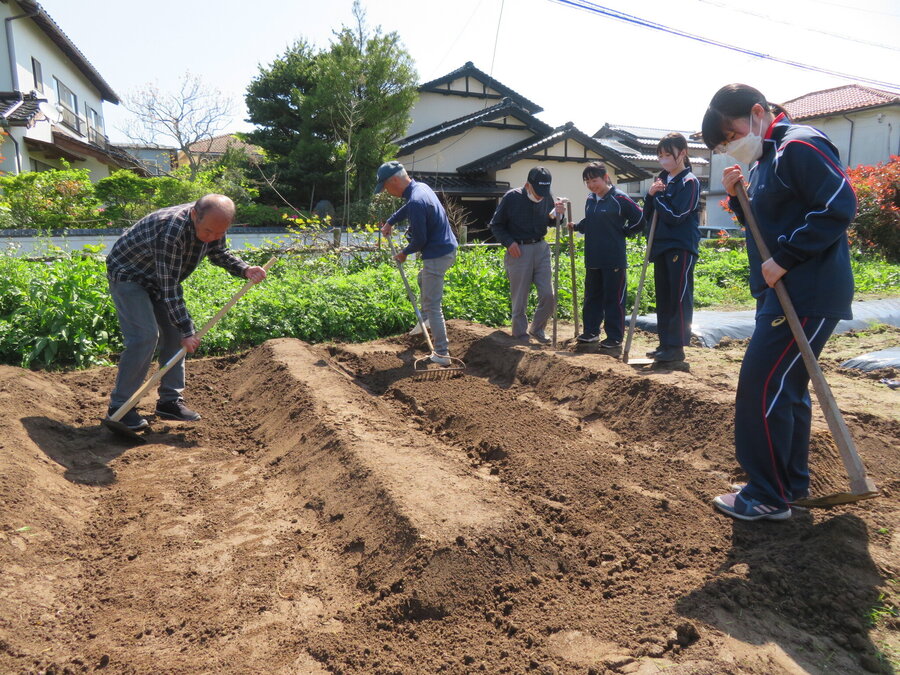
pixel 875 134
pixel 455 151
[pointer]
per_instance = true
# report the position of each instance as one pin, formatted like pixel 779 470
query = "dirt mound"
pixel 545 512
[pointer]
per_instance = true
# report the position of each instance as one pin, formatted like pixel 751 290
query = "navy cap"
pixel 385 171
pixel 539 179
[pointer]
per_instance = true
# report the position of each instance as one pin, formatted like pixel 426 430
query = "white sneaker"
pixel 441 359
pixel 417 329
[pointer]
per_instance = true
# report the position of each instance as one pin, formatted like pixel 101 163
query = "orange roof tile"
pixel 837 100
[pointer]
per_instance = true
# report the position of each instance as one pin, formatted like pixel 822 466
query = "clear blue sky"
pixel 579 66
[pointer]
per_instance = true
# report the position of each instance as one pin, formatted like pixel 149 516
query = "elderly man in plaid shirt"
pixel 145 269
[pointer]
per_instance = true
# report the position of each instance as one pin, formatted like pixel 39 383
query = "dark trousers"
pixel 772 411
pixel 604 302
pixel 673 273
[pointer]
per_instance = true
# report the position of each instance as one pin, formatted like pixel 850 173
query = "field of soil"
pixel 544 512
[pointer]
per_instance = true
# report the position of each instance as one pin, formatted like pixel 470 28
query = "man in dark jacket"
pixel 520 225
pixel 430 236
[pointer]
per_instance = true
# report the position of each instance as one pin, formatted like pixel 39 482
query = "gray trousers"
pixel 145 323
pixel 532 267
pixel 431 291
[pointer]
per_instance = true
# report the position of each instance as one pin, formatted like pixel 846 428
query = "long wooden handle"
pixel 412 296
pixel 181 353
pixel 556 279
pixel 640 288
pixel 860 483
pixel 572 262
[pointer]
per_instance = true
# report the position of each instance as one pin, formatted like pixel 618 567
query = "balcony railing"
pixel 71 119
pixel 96 137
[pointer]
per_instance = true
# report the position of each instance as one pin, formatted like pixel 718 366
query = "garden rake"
pixel 114 421
pixel 421 365
pixel 861 485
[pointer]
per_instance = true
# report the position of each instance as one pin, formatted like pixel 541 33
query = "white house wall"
pixel 450 153
pixel 432 109
pixel 876 134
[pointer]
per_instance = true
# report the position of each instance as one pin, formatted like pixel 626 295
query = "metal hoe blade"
pixel 121 429
pixel 834 500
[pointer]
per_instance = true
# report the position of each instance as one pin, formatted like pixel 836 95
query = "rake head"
pixel 426 369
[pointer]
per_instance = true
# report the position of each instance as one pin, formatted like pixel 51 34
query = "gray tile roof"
pixel 506 108
pixel 525 149
pixel 469 70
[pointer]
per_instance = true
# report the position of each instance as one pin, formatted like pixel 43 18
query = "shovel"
pixel 114 423
pixel 637 300
pixel 572 264
pixel 556 278
pixel 861 485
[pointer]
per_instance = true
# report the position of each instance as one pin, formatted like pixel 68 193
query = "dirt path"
pixel 545 512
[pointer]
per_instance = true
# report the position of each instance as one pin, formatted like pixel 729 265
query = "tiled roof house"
pixel 51 98
pixel 472 138
pixel 863 122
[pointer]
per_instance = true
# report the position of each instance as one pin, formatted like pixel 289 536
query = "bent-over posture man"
pixel 145 269
pixel 429 235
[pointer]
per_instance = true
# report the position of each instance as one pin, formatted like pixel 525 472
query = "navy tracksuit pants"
pixel 673 274
pixel 773 412
pixel 604 302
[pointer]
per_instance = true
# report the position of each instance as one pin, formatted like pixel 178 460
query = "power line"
pixel 644 23
pixel 857 8
pixel 793 25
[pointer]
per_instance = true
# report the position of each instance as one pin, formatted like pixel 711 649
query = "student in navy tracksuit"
pixel 608 216
pixel 675 197
pixel 803 204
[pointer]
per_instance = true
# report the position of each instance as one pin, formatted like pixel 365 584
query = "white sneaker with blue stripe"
pixel 734 504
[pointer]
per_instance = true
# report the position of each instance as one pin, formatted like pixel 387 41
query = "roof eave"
pixel 55 33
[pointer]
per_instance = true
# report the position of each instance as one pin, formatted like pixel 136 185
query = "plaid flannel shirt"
pixel 160 251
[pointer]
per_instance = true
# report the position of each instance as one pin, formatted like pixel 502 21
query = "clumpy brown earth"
pixel 545 512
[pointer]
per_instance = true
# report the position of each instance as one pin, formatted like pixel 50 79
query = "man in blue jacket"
pixel 429 235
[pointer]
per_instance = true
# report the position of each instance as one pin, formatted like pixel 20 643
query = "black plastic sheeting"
pixel 711 327
pixel 886 358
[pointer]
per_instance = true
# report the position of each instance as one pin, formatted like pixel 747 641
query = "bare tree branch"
pixel 190 114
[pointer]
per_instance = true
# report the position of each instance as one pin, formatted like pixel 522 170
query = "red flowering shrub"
pixel 876 228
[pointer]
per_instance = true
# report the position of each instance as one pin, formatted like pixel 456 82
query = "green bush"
pixel 45 200
pixel 60 314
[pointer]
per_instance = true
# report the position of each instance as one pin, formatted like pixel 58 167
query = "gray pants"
pixel 532 267
pixel 145 323
pixel 431 290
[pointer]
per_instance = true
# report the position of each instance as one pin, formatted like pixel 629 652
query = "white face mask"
pixel 667 163
pixel 747 149
pixel 532 196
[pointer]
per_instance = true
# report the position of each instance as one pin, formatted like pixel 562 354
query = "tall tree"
pixel 327 118
pixel 192 113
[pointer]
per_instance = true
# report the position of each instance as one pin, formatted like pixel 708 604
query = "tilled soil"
pixel 546 511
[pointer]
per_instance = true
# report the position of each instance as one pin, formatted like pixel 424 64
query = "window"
pixel 38 75
pixel 38 165
pixel 69 104
pixel 94 126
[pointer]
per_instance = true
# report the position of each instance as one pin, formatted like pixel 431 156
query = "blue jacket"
pixel 429 229
pixel 606 221
pixel 679 214
pixel 803 203
pixel 517 218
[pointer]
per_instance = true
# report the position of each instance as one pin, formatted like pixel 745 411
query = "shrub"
pixel 47 200
pixel 876 228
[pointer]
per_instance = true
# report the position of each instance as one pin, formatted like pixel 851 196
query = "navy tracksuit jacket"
pixel 803 203
pixel 674 254
pixel 606 221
